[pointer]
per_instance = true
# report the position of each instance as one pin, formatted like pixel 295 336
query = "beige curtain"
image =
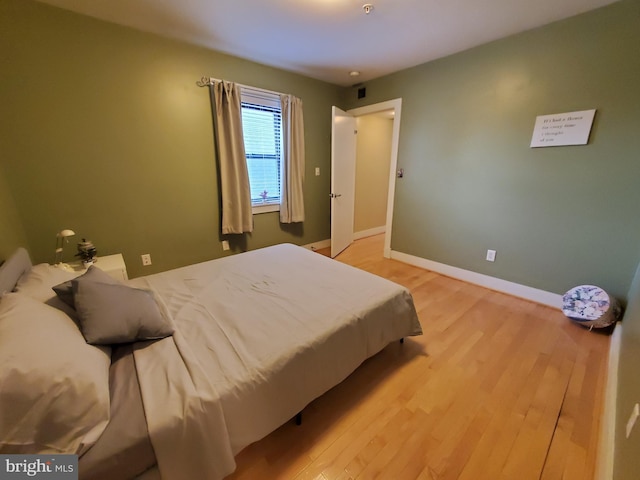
pixel 234 178
pixel 291 190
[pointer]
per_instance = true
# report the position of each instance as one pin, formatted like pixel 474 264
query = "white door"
pixel 343 179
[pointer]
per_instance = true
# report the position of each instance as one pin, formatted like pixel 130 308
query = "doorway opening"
pixel 391 110
pixel 373 164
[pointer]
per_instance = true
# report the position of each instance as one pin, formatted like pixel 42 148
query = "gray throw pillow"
pixel 93 274
pixel 116 313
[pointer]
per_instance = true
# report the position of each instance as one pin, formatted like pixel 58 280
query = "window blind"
pixel 262 131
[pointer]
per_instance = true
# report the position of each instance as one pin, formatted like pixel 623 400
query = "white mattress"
pixel 263 334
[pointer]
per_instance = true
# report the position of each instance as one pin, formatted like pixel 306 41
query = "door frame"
pixel 396 106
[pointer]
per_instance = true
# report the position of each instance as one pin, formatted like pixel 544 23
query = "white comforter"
pixel 258 336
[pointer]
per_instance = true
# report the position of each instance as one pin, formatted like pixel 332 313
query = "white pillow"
pixel 55 387
pixel 12 269
pixel 39 281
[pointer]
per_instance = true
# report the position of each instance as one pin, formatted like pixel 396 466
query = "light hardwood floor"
pixel 497 388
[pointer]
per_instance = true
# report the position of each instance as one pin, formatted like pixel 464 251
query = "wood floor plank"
pixel 496 388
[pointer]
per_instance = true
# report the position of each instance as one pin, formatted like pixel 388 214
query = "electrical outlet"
pixel 146 259
pixel 491 255
pixel 225 244
pixel 317 171
pixel 635 413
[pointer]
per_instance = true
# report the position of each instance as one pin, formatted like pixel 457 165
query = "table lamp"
pixel 61 238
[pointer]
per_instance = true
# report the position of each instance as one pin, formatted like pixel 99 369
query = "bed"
pixel 172 374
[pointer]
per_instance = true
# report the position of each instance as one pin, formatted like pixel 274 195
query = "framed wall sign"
pixel 558 129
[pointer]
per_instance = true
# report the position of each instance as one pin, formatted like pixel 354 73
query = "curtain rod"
pixel 206 81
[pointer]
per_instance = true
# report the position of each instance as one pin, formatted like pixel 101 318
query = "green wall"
pixel 627 460
pixel 12 233
pixel 104 131
pixel 558 217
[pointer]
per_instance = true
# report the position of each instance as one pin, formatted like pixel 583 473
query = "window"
pixel 262 131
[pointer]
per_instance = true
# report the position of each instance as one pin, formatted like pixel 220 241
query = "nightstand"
pixel 112 264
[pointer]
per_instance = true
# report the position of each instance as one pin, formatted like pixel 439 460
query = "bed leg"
pixel 299 419
pixel 402 340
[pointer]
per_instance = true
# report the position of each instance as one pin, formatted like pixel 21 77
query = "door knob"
pixel 335 195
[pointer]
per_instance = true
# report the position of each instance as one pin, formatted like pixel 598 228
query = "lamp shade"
pixel 66 233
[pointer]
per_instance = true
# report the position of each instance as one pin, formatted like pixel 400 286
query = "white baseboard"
pixel 318 245
pixel 369 232
pixel 606 443
pixel 517 290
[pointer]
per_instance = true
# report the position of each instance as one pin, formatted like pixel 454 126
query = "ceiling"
pixel 327 39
